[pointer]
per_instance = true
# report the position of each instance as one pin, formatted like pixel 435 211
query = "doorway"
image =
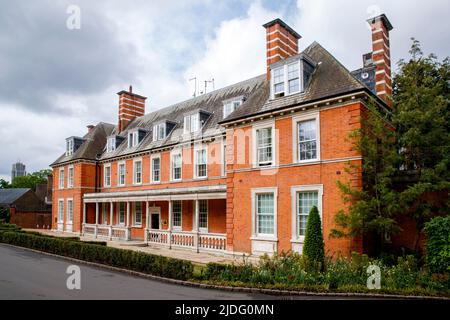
pixel 155 218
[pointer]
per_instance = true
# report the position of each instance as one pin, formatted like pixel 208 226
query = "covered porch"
pixel 190 218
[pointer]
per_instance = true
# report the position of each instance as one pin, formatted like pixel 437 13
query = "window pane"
pixel 195 122
pixel 203 214
pixel 264 147
pixel 307 147
pixel 265 213
pixel 176 213
pixel 305 201
pixel 156 169
pixel 294 85
pixel 293 72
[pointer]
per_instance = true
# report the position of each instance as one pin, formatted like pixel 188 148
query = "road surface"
pixel 29 275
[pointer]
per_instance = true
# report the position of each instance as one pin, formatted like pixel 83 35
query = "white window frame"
pixel 152 178
pixel 135 182
pixel 180 227
pixel 172 154
pixel 69 214
pixel 69 146
pixel 61 179
pixel 255 234
pixel 197 149
pixel 191 123
pixel 106 182
pixel 295 149
pixel 156 131
pixel 104 214
pixel 230 106
pixel 70 174
pixel 135 223
pixel 203 229
pixel 60 210
pixel 295 237
pixel 133 138
pixel 119 213
pixel 255 128
pixel 111 144
pixel 124 173
pixel 286 80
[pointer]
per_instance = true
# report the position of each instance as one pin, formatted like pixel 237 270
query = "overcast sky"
pixel 54 80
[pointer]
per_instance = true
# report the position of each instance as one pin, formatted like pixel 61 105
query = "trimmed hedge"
pixel 128 259
pixel 314 247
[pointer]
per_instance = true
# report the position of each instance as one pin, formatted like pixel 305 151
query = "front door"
pixel 154 221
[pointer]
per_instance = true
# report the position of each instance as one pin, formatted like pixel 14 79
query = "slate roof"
pixel 92 146
pixel 211 103
pixel 330 78
pixel 9 196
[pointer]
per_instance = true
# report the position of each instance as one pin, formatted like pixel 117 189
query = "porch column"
pixel 111 212
pixel 128 220
pixel 84 218
pixel 169 225
pixel 196 225
pixel 147 218
pixel 96 219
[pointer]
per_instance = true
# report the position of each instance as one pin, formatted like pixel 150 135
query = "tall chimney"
pixel 381 56
pixel 131 106
pixel 281 42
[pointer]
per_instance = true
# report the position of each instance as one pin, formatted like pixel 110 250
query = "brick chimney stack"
pixel 281 42
pixel 131 106
pixel 381 56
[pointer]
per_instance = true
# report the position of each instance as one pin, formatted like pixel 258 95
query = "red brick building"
pixel 234 170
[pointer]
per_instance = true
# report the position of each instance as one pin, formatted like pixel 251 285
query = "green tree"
pixel 313 248
pixel 373 207
pixel 422 120
pixel 4 184
pixel 412 141
pixel 31 180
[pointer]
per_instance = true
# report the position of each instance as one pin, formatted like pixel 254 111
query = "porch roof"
pixel 162 194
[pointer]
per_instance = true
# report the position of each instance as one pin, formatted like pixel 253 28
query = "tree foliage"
pixel 30 180
pixel 412 140
pixel 313 248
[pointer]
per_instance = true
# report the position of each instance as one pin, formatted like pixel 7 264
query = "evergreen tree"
pixel 313 248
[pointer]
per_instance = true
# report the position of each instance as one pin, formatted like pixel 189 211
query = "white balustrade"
pixel 188 239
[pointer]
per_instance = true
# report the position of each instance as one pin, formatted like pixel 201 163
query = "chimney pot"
pixel 381 56
pixel 90 128
pixel 131 89
pixel 281 42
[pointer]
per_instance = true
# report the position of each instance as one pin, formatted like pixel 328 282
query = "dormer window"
pixel 230 105
pixel 191 123
pixel 69 147
pixel 111 144
pixel 290 76
pixel 162 129
pixel 135 137
pixel 159 131
pixel 72 144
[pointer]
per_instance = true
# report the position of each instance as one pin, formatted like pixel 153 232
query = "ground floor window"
pixel 265 213
pixel 69 211
pixel 122 213
pixel 304 198
pixel 61 211
pixel 203 214
pixel 176 214
pixel 104 214
pixel 137 214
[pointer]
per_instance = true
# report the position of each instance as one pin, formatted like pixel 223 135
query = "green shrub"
pixel 438 244
pixel 314 248
pixel 137 261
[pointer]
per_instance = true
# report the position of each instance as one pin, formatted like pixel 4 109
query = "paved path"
pixel 29 275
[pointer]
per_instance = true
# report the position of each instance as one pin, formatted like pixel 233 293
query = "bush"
pixel 438 244
pixel 137 261
pixel 313 248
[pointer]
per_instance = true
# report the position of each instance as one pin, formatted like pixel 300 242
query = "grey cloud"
pixel 40 57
